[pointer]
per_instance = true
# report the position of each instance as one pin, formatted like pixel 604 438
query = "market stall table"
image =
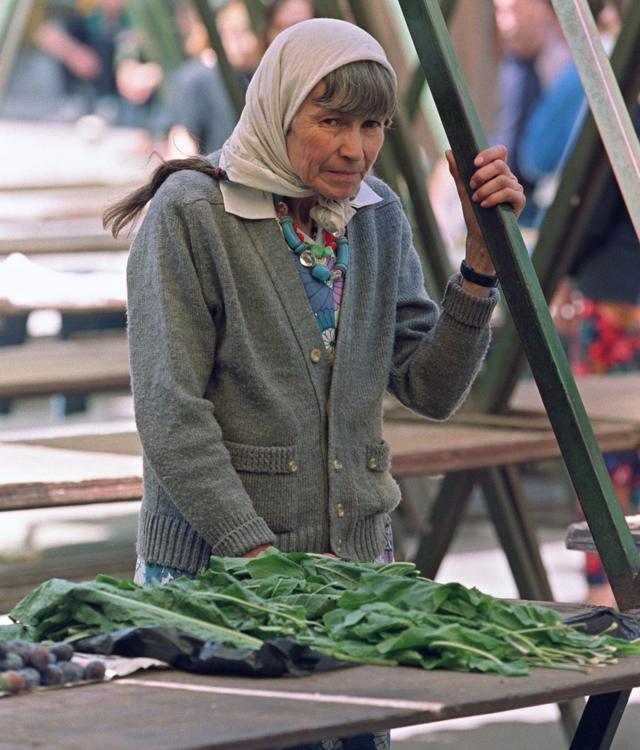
pixel 81 365
pixel 417 446
pixel 42 477
pixel 169 710
pixel 613 396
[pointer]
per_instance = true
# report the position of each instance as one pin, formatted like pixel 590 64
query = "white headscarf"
pixel 299 57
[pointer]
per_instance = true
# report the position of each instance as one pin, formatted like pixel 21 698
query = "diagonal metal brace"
pixel 529 310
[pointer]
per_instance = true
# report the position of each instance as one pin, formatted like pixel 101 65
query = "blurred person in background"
pixel 280 14
pixel 597 308
pixel 199 115
pixel 102 61
pixel 533 54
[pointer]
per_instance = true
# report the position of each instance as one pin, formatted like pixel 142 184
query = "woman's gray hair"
pixel 364 88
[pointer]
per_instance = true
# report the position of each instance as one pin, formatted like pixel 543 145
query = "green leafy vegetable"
pixel 358 612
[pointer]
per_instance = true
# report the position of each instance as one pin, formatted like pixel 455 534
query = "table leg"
pixel 600 720
pixel 510 515
pixel 447 511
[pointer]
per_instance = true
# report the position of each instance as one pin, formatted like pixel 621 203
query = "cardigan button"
pixel 292 466
pixel 315 355
pixel 338 546
pixel 338 465
pixel 340 510
pixel 373 462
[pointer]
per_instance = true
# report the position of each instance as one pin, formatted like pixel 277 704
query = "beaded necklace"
pixel 314 256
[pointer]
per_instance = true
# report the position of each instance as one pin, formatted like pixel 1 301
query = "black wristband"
pixel 481 279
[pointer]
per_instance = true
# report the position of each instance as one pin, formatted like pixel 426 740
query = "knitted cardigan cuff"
pixel 240 539
pixel 468 308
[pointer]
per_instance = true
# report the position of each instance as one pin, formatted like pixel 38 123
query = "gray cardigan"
pixel 250 436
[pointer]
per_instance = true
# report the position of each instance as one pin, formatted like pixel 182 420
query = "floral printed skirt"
pixel 148 572
pixel 608 341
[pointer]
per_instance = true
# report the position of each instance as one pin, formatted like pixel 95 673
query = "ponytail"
pixel 127 210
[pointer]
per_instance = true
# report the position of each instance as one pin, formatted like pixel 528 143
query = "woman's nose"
pixel 352 147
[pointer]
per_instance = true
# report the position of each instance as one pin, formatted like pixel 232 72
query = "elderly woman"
pixel 274 296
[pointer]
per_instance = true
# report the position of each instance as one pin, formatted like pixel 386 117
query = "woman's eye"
pixel 330 121
pixel 373 124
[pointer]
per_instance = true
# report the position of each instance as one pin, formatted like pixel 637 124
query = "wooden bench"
pixel 81 365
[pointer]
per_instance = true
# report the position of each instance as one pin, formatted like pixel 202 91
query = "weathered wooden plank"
pixel 75 366
pixel 437 449
pixel 71 235
pixel 38 477
pixel 613 396
pixel 282 712
pixel 417 448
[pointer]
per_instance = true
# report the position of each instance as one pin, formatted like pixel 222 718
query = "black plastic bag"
pixel 598 619
pixel 275 658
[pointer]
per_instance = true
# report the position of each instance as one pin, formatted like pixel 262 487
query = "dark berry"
pixel 39 658
pixel 4 647
pixel 11 662
pixel 62 651
pixel 71 671
pixel 12 682
pixel 52 675
pixel 31 677
pixel 94 670
pixel 22 648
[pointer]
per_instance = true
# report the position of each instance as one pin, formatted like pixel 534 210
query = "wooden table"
pixel 417 448
pixel 52 199
pixel 77 366
pixel 604 396
pixel 170 710
pixel 72 235
pixel 42 477
pixel 420 447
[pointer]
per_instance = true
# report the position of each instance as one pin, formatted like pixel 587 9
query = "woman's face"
pixel 331 151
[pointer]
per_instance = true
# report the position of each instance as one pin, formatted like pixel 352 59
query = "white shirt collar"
pixel 249 203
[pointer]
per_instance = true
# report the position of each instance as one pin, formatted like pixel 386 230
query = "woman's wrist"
pixel 480 278
pixel 256 550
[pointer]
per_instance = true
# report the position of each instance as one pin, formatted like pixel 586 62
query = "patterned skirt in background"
pixel 608 341
pixel 148 572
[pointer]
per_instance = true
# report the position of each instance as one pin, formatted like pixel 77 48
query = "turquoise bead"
pixel 321 273
pixel 342 254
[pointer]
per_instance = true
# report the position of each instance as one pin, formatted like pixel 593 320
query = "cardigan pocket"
pixel 269 474
pixel 380 493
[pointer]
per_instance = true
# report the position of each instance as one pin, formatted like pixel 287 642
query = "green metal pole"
pixel 164 31
pixel 564 223
pixel 235 86
pixel 407 156
pixel 255 11
pixel 138 12
pixel 606 102
pixel 328 9
pixel 529 310
pixel 14 15
pixel 417 81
